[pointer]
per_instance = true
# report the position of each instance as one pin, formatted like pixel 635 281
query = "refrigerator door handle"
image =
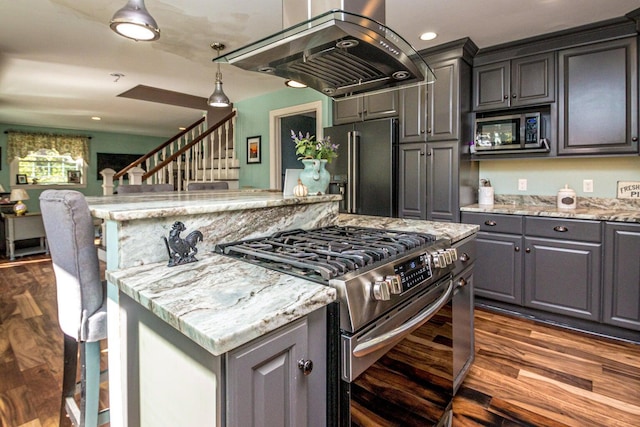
pixel 354 141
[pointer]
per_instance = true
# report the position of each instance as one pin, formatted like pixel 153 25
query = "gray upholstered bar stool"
pixel 82 307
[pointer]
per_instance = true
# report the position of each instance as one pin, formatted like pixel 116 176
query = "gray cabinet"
pixel 519 82
pixel 498 270
pixel 621 296
pixel 412 181
pixel 598 98
pixel 428 181
pixel 413 114
pixel 266 383
pixel 562 266
pixel 443 181
pixel 366 107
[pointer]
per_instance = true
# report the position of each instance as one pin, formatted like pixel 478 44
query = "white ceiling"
pixel 56 56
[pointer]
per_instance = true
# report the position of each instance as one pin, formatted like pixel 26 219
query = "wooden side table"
pixel 22 227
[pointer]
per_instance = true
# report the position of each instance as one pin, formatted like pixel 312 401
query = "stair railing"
pixel 183 165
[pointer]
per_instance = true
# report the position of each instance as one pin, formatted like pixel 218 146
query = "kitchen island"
pixel 172 329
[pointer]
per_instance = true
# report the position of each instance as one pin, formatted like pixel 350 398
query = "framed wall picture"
pixel 253 150
pixel 73 177
pixel 21 179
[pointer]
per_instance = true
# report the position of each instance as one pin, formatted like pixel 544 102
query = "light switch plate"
pixel 587 185
pixel 522 184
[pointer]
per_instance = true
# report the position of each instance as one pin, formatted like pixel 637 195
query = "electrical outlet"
pixel 522 184
pixel 587 186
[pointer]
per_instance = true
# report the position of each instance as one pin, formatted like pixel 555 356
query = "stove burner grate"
pixel 324 253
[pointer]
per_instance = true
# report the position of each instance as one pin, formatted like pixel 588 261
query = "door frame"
pixel 275 145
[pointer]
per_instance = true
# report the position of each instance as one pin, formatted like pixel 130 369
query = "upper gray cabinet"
pixel 367 107
pixel 518 82
pixel 413 114
pixel 443 100
pixel 598 98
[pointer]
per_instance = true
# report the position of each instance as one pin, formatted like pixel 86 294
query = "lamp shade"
pixel 134 22
pixel 18 195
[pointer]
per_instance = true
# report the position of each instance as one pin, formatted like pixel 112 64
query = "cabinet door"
pixel 463 337
pixel 621 293
pixel 380 105
pixel 412 182
pixel 443 102
pixel 491 86
pixel 598 99
pixel 563 277
pixel 265 387
pixel 533 80
pixel 498 269
pixel 413 114
pixel 347 111
pixel 443 181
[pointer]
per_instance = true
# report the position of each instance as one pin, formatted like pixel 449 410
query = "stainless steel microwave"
pixel 509 132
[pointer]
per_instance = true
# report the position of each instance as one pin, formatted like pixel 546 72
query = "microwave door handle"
pixel 398 334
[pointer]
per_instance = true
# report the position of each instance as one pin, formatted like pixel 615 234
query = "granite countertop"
pixel 221 303
pixel 133 206
pixel 598 209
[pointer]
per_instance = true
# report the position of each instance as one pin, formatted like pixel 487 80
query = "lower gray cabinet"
pixel 563 261
pixel 498 270
pixel 266 382
pixel 622 275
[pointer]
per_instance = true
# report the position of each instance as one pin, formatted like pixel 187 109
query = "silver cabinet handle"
pixel 490 223
pixel 560 229
pixel 462 282
pixel 306 366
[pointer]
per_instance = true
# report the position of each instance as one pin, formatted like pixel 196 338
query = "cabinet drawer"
pixel 496 223
pixel 566 229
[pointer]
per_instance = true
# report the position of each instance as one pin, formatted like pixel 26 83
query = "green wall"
pixel 546 176
pixel 253 120
pixel 101 142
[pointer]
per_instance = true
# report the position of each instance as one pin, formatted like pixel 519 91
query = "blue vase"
pixel 315 176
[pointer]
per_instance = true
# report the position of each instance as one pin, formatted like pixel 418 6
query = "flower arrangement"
pixel 308 148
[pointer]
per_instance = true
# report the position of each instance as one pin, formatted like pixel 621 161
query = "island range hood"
pixel 341 52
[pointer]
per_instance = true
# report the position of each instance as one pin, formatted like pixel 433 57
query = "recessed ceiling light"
pixel 181 128
pixel 294 84
pixel 96 118
pixel 428 36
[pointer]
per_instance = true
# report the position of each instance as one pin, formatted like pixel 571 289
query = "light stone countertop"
pixel 221 303
pixel 126 207
pixel 598 209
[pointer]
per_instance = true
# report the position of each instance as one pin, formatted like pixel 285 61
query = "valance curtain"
pixel 20 144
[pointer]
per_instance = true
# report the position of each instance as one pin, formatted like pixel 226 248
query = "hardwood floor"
pixel 525 373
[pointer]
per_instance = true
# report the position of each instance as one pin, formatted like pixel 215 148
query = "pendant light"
pixel 218 98
pixel 134 22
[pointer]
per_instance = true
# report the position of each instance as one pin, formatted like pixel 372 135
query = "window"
pixel 48 167
pixel 46 160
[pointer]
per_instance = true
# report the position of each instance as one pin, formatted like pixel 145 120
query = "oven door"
pixel 399 371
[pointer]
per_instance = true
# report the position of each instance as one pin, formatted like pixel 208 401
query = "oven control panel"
pixel 414 271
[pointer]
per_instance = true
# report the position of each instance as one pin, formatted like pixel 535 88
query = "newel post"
pixel 135 175
pixel 107 181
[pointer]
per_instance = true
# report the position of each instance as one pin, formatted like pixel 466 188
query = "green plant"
pixel 308 148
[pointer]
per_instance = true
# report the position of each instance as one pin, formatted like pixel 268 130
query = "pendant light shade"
pixel 218 97
pixel 134 22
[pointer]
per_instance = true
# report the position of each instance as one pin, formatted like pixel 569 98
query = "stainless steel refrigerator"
pixel 365 170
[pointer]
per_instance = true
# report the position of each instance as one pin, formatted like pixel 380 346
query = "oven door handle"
pixel 398 334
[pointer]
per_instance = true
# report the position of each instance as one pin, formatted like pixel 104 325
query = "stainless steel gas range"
pixel 393 358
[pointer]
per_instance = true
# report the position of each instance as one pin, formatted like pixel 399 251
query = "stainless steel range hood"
pixel 338 53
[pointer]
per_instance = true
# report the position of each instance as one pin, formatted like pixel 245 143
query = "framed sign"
pixel 253 150
pixel 73 177
pixel 628 189
pixel 21 178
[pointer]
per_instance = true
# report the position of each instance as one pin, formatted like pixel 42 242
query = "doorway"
pixel 305 118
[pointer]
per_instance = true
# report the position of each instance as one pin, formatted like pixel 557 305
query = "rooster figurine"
pixel 182 251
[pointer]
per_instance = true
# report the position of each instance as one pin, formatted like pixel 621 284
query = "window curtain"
pixel 20 144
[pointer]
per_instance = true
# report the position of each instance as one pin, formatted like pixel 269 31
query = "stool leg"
pixel 90 397
pixel 69 368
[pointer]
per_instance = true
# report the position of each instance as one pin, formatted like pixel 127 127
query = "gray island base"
pixel 182 339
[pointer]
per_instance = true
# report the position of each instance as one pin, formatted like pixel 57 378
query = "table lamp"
pixel 18 195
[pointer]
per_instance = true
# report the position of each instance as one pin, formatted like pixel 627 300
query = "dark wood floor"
pixel 525 374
